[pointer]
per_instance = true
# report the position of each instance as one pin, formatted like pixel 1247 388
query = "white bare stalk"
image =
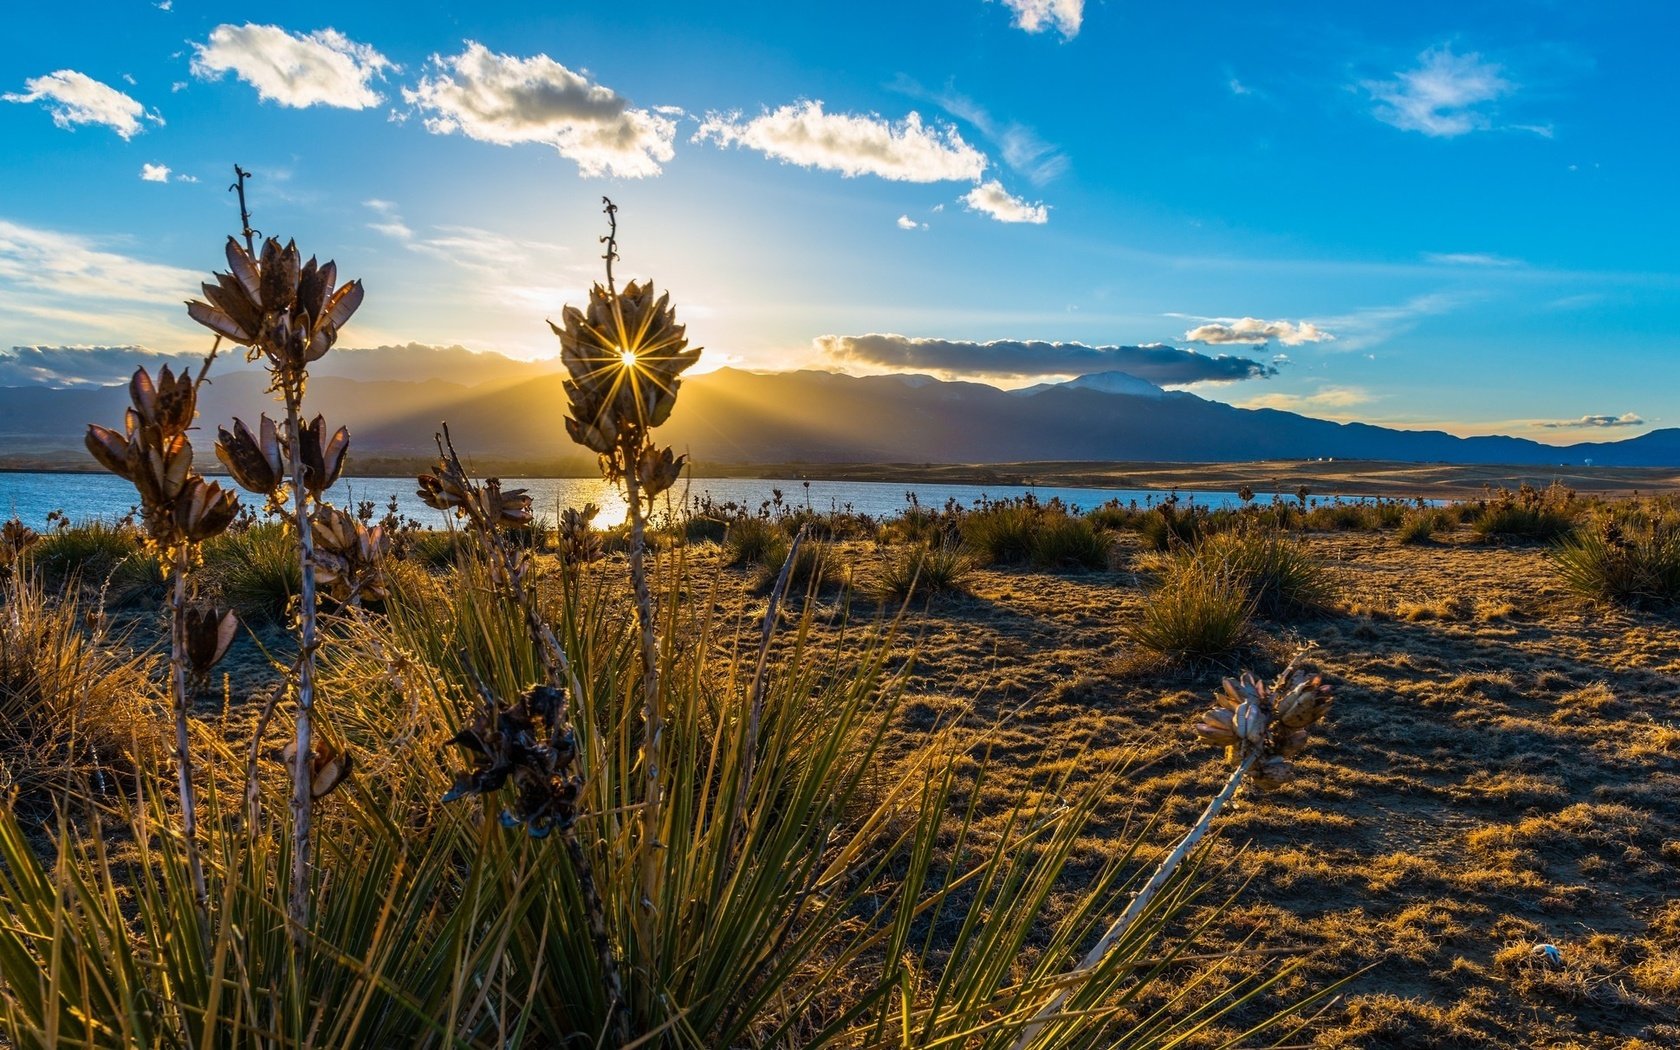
pixel 183 747
pixel 653 715
pixel 302 796
pixel 1139 903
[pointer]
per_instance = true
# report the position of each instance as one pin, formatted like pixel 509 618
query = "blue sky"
pixel 1455 215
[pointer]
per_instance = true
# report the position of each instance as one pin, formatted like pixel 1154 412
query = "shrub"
pixel 256 571
pixel 754 541
pixel 1276 572
pixel 1197 613
pixel 99 554
pixel 435 549
pixel 1070 543
pixel 1629 565
pixel 1002 534
pixel 69 702
pixel 923 570
pixel 1418 526
pixel 815 567
pixel 1543 515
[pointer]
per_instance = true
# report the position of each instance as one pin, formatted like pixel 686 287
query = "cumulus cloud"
pixel 1446 95
pixel 992 199
pixel 154 173
pixel 1626 419
pixel 852 144
pixel 323 68
pixel 75 98
pixel 1015 359
pixel 905 222
pixel 1252 331
pixel 1035 16
pixel 62 367
pixel 503 99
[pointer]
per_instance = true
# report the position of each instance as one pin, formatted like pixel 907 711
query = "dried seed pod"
pixel 1271 773
pixel 525 744
pixel 110 448
pixel 210 631
pixel 1218 728
pixel 323 456
pixel 349 556
pixel 328 766
pixel 256 461
pixel 204 509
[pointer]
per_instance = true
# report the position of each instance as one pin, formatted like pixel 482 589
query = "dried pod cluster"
pixel 279 307
pixel 152 452
pixel 487 506
pixel 578 541
pixel 15 538
pixel 349 556
pixel 526 745
pixel 1270 722
pixel 624 356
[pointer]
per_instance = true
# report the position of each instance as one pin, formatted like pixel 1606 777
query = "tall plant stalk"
pixel 302 803
pixel 183 744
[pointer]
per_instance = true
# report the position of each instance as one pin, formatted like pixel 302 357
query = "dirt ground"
pixel 1500 772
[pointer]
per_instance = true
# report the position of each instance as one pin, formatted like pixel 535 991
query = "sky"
pixel 1447 215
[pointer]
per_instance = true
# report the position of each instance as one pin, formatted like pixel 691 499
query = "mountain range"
pixel 736 417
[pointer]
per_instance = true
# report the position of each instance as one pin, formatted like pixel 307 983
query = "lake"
pixel 30 496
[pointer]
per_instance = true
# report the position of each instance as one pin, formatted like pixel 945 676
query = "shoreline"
pixel 1394 479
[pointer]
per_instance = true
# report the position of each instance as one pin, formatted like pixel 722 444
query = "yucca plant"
pixel 1629 564
pixel 179 511
pixel 1278 574
pixel 926 570
pixel 255 571
pixel 1068 542
pixel 288 313
pixel 1197 613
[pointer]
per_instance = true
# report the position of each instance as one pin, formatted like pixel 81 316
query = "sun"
pixel 627 358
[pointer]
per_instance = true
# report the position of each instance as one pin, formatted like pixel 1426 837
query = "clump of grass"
pixel 923 570
pixel 1276 572
pixel 1199 612
pixel 255 571
pixel 1418 526
pixel 816 566
pixel 1067 542
pixel 435 549
pixel 1631 565
pixel 69 701
pixel 101 554
pixel 1002 534
pixel 1543 515
pixel 754 541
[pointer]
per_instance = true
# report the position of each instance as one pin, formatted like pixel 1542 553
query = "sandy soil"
pixel 1501 771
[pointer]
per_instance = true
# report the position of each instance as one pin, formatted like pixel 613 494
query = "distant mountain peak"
pixel 1104 383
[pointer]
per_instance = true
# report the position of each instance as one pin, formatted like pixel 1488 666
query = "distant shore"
pixel 1345 477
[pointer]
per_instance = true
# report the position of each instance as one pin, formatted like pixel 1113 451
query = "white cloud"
pixel 1022 148
pixel 905 222
pixel 185 178
pixel 1626 419
pixel 1445 96
pixel 1253 331
pixel 66 287
pixel 177 86
pixel 1469 259
pixel 1328 400
pixel 505 100
pixel 165 5
pixel 323 68
pixel 154 173
pixel 76 98
pixel 992 199
pixel 1035 16
pixel 801 133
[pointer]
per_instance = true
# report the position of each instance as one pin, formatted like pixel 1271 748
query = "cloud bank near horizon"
pixel 1027 359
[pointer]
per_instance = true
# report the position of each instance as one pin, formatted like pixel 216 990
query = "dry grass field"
pixel 1501 771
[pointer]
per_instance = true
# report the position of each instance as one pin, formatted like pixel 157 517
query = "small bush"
pixel 815 567
pixel 703 529
pixel 100 555
pixel 436 549
pixel 1418 526
pixel 1198 613
pixel 1002 534
pixel 754 541
pixel 1623 565
pixel 1070 543
pixel 68 702
pixel 923 570
pixel 255 571
pixel 1276 573
pixel 1544 515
